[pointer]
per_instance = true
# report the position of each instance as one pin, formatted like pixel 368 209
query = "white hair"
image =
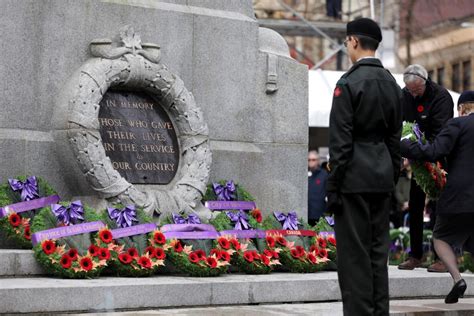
pixel 415 73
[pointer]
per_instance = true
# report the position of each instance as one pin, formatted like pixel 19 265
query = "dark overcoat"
pixel 456 143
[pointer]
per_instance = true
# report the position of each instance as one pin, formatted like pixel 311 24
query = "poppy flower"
pixel 270 241
pixel 268 253
pixel 86 263
pixel 65 261
pixel 72 253
pixel 235 243
pixel 160 254
pixel 313 248
pixel 94 250
pixel 255 254
pixel 332 241
pixel 216 252
pixel 48 246
pixel 193 257
pixel 257 214
pixel 224 255
pixel 14 219
pixel 248 256
pixel 322 242
pixel 125 258
pixel 104 254
pixel 265 260
pixel 27 233
pixel 150 250
pixel 201 254
pixel 323 253
pixel 281 240
pixel 105 235
pixel 211 262
pixel 275 255
pixel 132 252
pixel 159 238
pixel 178 247
pixel 295 253
pixel 144 262
pixel 420 108
pixel 300 250
pixel 224 243
pixel 312 258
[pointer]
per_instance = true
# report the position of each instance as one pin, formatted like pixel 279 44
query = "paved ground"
pixel 398 308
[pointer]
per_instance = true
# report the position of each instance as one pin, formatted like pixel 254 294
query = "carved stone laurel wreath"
pixel 128 63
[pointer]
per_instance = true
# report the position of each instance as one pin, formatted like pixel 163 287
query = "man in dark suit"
pixel 431 106
pixel 364 148
pixel 455 211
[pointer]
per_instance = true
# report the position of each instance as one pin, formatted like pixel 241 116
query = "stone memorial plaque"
pixel 138 137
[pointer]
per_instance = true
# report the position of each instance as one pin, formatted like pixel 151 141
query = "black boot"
pixel 456 292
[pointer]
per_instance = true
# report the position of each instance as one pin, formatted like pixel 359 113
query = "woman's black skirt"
pixel 456 230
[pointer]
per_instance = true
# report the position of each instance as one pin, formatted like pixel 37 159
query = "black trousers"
pixel 362 233
pixel 415 209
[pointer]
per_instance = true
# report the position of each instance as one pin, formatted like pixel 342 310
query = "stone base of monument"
pixel 21 292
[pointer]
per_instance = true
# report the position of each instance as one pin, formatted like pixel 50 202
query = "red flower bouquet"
pixel 246 257
pixel 197 262
pixel 296 258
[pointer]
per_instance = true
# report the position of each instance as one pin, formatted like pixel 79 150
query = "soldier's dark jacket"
pixel 455 142
pixel 366 123
pixel 431 111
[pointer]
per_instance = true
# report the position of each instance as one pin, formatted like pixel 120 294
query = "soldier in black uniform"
pixel 431 106
pixel 364 148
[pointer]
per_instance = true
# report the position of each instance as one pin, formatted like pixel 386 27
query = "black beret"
pixel 466 96
pixel 366 27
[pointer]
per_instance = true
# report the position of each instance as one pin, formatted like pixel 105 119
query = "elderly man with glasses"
pixel 431 106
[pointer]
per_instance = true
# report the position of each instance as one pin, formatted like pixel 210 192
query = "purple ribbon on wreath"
pixel 29 188
pixel 329 220
pixel 224 192
pixel 418 133
pixel 191 219
pixel 240 219
pixel 123 217
pixel 69 214
pixel 289 221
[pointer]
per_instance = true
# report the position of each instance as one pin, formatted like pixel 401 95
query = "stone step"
pixel 17 262
pixel 425 307
pixel 43 294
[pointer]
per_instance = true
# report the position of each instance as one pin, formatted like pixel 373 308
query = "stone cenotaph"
pixel 146 102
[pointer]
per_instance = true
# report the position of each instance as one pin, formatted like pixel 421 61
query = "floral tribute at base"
pixel 138 248
pixel 20 199
pixel 63 241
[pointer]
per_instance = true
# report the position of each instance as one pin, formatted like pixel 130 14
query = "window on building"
pixel 466 75
pixel 456 77
pixel 440 76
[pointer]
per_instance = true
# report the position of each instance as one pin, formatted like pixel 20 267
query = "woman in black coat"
pixel 455 208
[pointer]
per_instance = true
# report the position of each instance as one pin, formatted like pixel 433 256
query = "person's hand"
pixel 406 163
pixel 334 203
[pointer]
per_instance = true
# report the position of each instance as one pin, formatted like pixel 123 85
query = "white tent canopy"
pixel 321 86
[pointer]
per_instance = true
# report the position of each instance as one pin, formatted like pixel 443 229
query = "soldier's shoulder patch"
pixel 337 91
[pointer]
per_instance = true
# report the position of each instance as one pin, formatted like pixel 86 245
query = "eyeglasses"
pixel 313 159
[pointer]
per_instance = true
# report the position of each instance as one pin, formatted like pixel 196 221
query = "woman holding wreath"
pixel 455 210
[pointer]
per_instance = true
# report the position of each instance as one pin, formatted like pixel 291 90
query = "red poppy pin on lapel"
pixel 420 108
pixel 337 92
